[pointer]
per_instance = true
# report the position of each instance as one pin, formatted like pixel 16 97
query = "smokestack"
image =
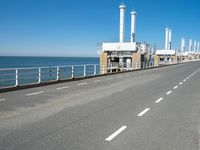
pixel 183 45
pixel 133 23
pixel 198 50
pixel 190 45
pixel 122 8
pixel 167 38
pixel 195 46
pixel 170 39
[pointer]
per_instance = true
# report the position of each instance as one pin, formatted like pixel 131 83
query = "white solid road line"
pixel 159 100
pixel 61 88
pixel 36 93
pixel 143 112
pixel 81 84
pixel 97 81
pixel 176 87
pixel 169 92
pixel 180 83
pixel 111 137
pixel 127 75
pixel 2 100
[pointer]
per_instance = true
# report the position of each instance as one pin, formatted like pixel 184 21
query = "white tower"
pixel 195 46
pixel 198 50
pixel 122 8
pixel 167 38
pixel 170 39
pixel 133 23
pixel 183 45
pixel 190 45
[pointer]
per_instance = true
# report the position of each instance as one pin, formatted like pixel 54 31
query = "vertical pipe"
pixel 16 77
pixel 58 73
pixel 133 24
pixel 95 70
pixel 39 75
pixel 167 38
pixel 198 47
pixel 122 8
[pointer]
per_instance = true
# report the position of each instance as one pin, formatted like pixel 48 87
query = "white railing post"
pixel 84 71
pixel 57 73
pixel 72 72
pixel 95 70
pixel 16 77
pixel 39 75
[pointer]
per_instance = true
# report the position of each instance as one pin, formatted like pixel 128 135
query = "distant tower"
pixel 183 45
pixel 190 45
pixel 195 46
pixel 133 23
pixel 167 38
pixel 170 39
pixel 198 50
pixel 122 8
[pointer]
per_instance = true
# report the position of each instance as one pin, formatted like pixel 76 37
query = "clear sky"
pixel 74 27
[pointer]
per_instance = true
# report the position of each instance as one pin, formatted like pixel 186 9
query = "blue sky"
pixel 74 27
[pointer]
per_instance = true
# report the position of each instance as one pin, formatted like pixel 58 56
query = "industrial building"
pixel 120 56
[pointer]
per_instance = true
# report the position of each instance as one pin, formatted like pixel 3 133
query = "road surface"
pixel 156 109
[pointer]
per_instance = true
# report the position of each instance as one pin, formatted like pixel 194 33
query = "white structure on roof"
pixel 195 46
pixel 165 52
pixel 198 50
pixel 170 40
pixel 119 46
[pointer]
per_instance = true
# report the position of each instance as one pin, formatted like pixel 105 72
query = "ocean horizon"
pixel 43 61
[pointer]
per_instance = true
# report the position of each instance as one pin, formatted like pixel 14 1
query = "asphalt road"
pixel 156 109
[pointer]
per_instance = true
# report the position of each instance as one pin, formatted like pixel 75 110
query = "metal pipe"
pixel 16 77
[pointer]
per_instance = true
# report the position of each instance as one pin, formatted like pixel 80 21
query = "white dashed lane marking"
pixel 143 112
pixel 159 100
pixel 112 136
pixel 2 100
pixel 36 93
pixel 180 83
pixel 176 87
pixel 169 92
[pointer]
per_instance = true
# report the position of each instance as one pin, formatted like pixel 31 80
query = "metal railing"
pixel 14 77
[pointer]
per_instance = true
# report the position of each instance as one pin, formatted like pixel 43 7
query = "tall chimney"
pixel 195 46
pixel 183 45
pixel 133 24
pixel 167 38
pixel 190 45
pixel 122 8
pixel 170 39
pixel 198 50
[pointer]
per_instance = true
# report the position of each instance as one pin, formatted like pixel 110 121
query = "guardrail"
pixel 15 77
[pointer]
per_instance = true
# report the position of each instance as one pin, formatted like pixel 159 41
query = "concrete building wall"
pixel 136 60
